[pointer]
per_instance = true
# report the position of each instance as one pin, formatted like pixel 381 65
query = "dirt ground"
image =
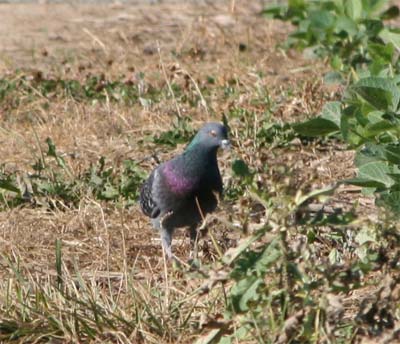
pixel 120 41
pixel 227 40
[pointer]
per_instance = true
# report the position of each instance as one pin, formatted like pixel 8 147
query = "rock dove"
pixel 181 191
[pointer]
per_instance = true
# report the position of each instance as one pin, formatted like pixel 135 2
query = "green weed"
pixel 53 181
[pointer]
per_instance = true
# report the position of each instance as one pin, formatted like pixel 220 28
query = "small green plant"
pixel 91 88
pixel 349 33
pixel 180 133
pixel 367 118
pixel 53 181
pixel 283 285
pixel 106 185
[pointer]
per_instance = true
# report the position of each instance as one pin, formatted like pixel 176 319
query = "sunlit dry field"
pixel 118 88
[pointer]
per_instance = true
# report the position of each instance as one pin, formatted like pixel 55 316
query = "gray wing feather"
pixel 147 202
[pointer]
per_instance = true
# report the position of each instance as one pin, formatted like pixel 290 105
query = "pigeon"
pixel 181 191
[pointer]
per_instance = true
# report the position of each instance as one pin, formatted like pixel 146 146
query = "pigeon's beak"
pixel 225 144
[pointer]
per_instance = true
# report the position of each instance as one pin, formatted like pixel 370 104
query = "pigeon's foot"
pixel 194 239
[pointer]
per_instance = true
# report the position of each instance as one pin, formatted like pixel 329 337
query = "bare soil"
pixel 161 40
pixel 73 41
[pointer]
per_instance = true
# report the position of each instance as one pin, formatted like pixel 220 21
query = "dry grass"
pixel 86 131
pixel 111 258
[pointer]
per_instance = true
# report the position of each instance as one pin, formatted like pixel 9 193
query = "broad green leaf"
pixel 336 62
pixel 51 151
pixel 376 171
pixel 379 67
pixel 321 20
pixel 396 178
pixel 363 182
pixel 365 235
pixel 373 152
pixel 374 116
pixel 239 289
pixel 344 23
pixel 328 191
pixel 353 9
pixel 392 153
pixel 250 295
pixel 234 252
pixel 372 27
pixel 378 128
pixel 391 200
pixel 348 131
pixel 297 5
pixel 381 51
pixel 370 191
pixel 316 127
pixel 332 112
pixel 333 78
pixel 8 185
pixel 372 6
pixel 270 255
pixel 388 36
pixel 381 93
pixel 339 5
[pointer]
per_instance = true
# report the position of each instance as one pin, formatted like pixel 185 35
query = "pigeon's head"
pixel 212 136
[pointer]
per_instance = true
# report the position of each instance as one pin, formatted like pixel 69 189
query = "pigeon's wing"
pixel 167 189
pixel 147 203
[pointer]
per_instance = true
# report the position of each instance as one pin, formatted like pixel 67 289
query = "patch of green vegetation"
pixel 353 34
pixel 349 33
pixel 287 278
pixel 108 185
pixel 181 132
pixel 91 88
pixel 53 182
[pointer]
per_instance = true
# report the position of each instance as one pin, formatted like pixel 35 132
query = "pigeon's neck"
pixel 189 169
pixel 197 157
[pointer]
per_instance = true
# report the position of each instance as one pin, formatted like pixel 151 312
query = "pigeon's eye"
pixel 213 133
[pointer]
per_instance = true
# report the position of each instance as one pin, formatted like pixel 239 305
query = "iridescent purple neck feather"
pixel 177 183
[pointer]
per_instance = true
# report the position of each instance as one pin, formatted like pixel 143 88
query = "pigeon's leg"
pixel 166 234
pixel 194 238
pixel 166 240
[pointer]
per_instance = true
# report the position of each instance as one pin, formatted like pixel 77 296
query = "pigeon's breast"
pixel 177 182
